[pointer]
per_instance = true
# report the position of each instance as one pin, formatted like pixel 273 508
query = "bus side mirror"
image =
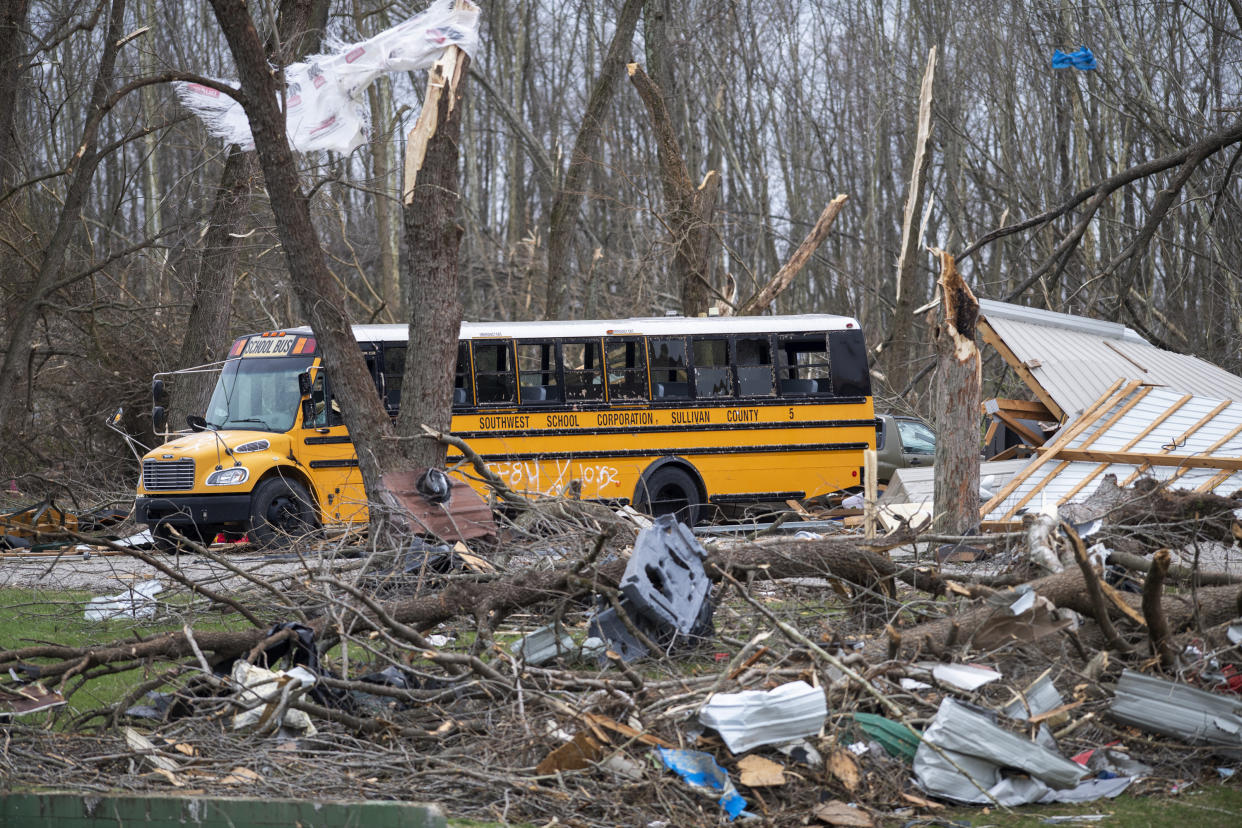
pixel 158 395
pixel 159 417
pixel 308 412
pixel 304 383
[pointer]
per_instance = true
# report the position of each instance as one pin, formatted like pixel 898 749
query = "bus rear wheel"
pixel 670 491
pixel 280 511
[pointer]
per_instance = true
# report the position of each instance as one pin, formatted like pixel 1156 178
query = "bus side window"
pixel 394 372
pixel 584 370
pixel 494 378
pixel 461 380
pixel 753 363
pixel 712 375
pixel 670 377
pixel 850 377
pixel 627 369
pixel 803 367
pixel 538 377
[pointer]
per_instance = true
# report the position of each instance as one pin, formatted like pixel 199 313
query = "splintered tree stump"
pixel 956 401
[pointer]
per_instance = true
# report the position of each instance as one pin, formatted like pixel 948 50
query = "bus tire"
pixel 280 511
pixel 670 490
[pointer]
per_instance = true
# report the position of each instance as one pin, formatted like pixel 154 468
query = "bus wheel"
pixel 670 491
pixel 280 510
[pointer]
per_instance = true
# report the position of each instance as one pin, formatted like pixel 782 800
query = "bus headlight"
pixel 228 477
pixel 254 445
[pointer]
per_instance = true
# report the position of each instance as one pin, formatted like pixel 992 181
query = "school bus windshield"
pixel 259 393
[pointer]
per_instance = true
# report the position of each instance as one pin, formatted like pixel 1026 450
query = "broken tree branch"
pixel 784 277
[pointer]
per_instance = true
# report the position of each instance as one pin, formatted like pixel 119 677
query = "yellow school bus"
pixel 671 414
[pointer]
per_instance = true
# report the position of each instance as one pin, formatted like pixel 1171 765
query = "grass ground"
pixel 31 617
pixel 1209 806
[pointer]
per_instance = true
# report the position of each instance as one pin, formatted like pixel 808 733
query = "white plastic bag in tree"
pixel 325 96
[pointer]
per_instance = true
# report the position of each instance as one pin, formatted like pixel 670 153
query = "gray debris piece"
pixel 981 748
pixel 1040 697
pixel 542 645
pixel 665 592
pixel 766 717
pixel 1177 710
pixel 607 626
pixel 665 578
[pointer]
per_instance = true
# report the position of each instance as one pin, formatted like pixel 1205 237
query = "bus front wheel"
pixel 670 491
pixel 280 511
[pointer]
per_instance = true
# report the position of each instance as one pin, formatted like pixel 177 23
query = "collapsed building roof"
pixel 1069 361
pixel 1131 431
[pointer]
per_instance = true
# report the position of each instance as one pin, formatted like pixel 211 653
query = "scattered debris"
pixel 701 771
pixel 1177 710
pixel 136 602
pixel 441 506
pixel 27 698
pixel 968 677
pixel 756 717
pixel 542 645
pixel 964 756
pixel 264 696
pixel 665 594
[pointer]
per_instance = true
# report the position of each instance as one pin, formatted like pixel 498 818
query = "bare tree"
pixel 318 293
pixel 299 29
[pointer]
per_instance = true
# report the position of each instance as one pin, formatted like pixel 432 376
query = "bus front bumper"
pixel 201 510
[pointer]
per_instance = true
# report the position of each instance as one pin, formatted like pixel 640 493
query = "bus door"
pixel 328 455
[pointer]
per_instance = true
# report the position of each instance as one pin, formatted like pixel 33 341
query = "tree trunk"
pixel 689 210
pixel 13 16
pixel 82 169
pixel 299 30
pixel 319 294
pixel 958 382
pixel 569 196
pixel 432 238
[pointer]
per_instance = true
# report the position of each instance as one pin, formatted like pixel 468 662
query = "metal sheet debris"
pixel 1177 710
pixel 981 749
pixel 766 717
pixel 457 513
pixel 542 645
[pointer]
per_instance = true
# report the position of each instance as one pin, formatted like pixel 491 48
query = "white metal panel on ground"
pixel 1075 359
pixel 1198 428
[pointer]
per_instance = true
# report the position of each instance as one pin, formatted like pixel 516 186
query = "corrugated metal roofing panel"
pixel 1076 359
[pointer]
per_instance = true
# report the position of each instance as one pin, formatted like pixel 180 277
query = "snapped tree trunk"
pixel 299 31
pixel 432 238
pixel 569 195
pixel 898 349
pixel 319 294
pixel 958 382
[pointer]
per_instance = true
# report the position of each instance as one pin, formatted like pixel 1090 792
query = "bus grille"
pixel 167 475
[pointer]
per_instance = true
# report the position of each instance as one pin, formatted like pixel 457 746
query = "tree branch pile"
pixel 419 686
